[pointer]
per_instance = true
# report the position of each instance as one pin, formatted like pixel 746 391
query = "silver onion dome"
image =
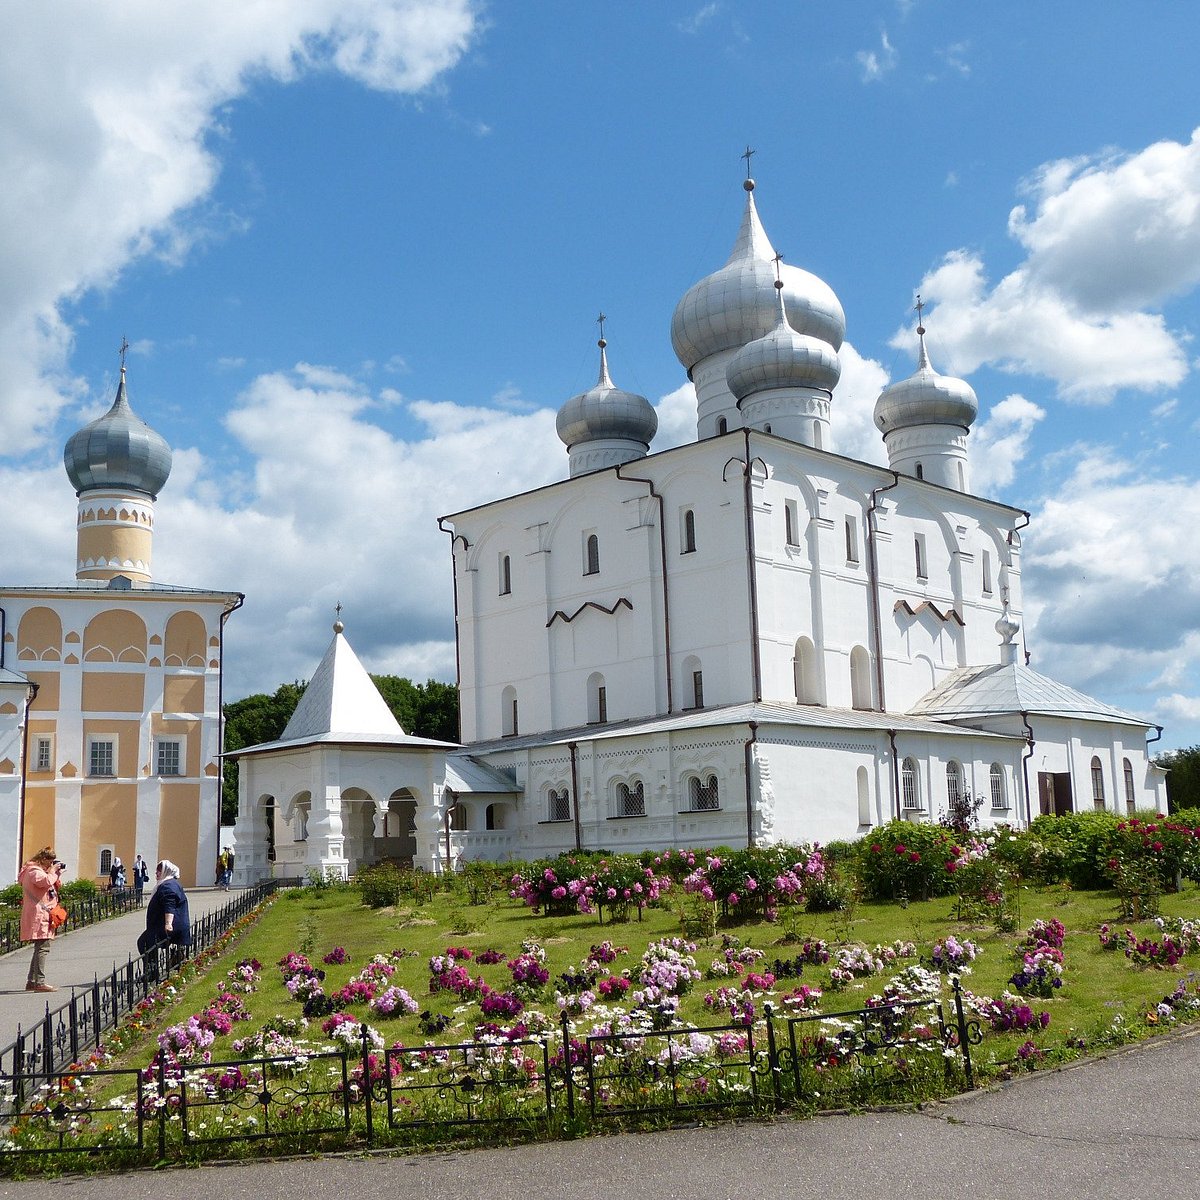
pixel 737 304
pixel 118 450
pixel 926 398
pixel 783 358
pixel 605 411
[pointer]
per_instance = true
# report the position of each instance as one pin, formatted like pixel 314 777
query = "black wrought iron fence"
pixel 362 1095
pixel 65 1034
pixel 81 911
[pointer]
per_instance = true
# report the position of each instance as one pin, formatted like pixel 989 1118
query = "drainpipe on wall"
pixel 574 747
pixel 454 537
pixel 29 699
pixel 1025 766
pixel 450 796
pixel 895 771
pixel 755 649
pixel 873 587
pixel 662 553
pixel 225 615
pixel 1022 524
pixel 1157 737
pixel 749 753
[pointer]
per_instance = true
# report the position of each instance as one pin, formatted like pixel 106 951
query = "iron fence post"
pixel 568 1069
pixel 366 1073
pixel 773 1057
pixel 162 1108
pixel 963 1040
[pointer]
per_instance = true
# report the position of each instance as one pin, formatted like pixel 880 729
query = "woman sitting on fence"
pixel 167 920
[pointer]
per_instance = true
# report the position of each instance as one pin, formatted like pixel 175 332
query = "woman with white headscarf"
pixel 167 919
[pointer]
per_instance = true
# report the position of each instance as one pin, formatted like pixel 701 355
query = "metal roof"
pixel 1012 688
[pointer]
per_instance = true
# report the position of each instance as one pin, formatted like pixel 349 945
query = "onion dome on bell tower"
pixel 783 382
pixel 605 426
pixel 738 304
pixel 117 465
pixel 925 420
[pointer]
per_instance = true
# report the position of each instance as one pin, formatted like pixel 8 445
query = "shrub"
pixel 1081 842
pixel 10 897
pixel 79 889
pixel 906 858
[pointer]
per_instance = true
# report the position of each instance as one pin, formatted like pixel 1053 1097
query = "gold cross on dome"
pixel 748 154
pixel 124 350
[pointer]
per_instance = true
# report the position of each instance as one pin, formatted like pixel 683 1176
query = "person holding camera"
pixel 40 879
pixel 168 923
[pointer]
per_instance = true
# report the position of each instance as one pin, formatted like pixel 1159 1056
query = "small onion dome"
pixel 737 304
pixel 783 359
pixel 606 412
pixel 1006 627
pixel 926 398
pixel 118 450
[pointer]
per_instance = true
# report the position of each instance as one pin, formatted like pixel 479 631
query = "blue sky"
pixel 358 247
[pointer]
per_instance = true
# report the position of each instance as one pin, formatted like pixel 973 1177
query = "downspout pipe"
pixel 29 699
pixel 749 753
pixel 574 748
pixel 747 504
pixel 454 537
pixel 225 615
pixel 666 595
pixel 895 772
pixel 1025 766
pixel 1023 523
pixel 873 587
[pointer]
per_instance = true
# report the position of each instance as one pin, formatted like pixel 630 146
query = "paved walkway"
pixel 77 959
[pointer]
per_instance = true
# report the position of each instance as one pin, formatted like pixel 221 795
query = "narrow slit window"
pixel 851 542
pixel 591 555
pixel 689 532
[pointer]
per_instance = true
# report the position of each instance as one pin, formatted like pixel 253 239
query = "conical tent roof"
pixel 341 698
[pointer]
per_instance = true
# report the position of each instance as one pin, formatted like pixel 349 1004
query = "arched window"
pixel 722 426
pixel 505 575
pixel 106 857
pixel 954 787
pixel 807 676
pixel 864 797
pixel 494 816
pixel 1130 794
pixel 591 555
pixel 703 796
pixel 1097 784
pixel 630 800
pixel 458 815
pixel 910 784
pixel 558 805
pixel 919 556
pixel 860 678
pixel 508 712
pixel 791 523
pixel 818 436
pixel 996 780
pixel 269 823
pixel 597 699
pixel 688 533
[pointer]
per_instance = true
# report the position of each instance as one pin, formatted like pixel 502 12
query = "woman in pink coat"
pixel 39 879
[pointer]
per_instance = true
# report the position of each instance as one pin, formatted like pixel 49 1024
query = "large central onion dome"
pixel 605 426
pixel 118 450
pixel 926 398
pixel 737 304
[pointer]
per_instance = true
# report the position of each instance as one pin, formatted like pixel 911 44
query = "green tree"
pixel 1183 781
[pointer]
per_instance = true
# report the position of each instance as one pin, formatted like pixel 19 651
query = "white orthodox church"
pixel 743 639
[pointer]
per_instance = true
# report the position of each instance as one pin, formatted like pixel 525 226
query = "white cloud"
pixel 1109 239
pixel 1114 566
pixel 852 414
pixel 873 65
pixel 693 24
pixel 955 57
pixel 117 166
pixel 1161 411
pixel 999 443
pixel 676 418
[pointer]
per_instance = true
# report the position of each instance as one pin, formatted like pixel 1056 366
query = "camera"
pixel 62 866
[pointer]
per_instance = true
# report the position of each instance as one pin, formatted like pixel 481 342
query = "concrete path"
pixel 76 959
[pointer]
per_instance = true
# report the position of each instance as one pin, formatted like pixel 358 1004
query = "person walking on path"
pixel 226 868
pixel 141 873
pixel 39 878
pixel 167 920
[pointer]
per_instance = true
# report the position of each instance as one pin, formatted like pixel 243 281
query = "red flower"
pixel 914 857
pixel 951 865
pixel 876 848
